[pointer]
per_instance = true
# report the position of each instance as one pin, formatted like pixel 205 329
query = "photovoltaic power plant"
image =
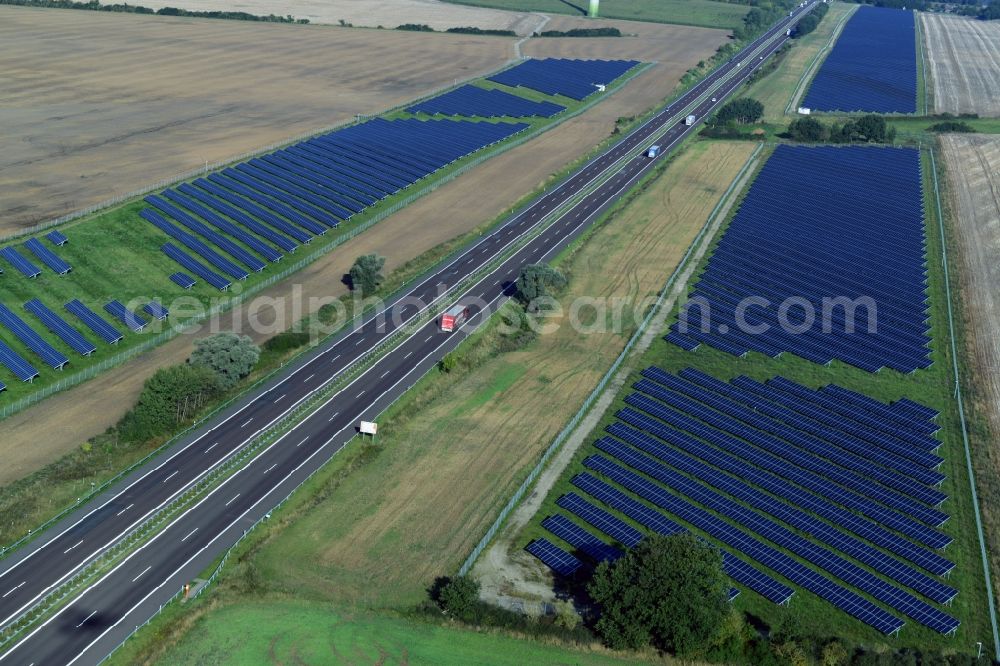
pixel 807 486
pixel 872 67
pixel 825 259
pixel 575 79
pixel 237 221
pixel 470 100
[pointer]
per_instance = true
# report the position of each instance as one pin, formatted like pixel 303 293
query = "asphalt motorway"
pixel 89 627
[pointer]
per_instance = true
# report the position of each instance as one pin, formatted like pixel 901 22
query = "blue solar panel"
pixel 792 237
pixel 471 100
pixel 31 339
pixel 890 470
pixel 288 196
pixel 556 76
pixel 872 67
pixel 58 325
pixel 47 256
pixel 581 539
pixel 16 363
pixel 57 238
pixel 195 266
pixel 842 597
pixel 819 556
pixel 608 523
pixel 795 468
pixel 183 280
pixel 780 509
pixel 94 322
pixel 118 310
pixel 19 262
pixel 194 243
pixel 656 522
pixel 251 241
pixel 554 557
pixel 155 310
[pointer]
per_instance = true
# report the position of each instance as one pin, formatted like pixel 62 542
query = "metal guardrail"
pixel 608 376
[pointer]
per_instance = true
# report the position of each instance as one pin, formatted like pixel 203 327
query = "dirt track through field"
pixel 973 165
pixel 963 59
pixel 156 96
pixel 43 433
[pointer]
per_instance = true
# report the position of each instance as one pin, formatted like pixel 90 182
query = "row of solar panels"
pixel 41 252
pixel 469 100
pixel 872 67
pixel 575 79
pixel 825 259
pixel 689 446
pixel 236 221
pixel 62 329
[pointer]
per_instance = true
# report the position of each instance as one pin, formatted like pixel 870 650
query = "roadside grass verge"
pixel 933 386
pixel 292 631
pixel 704 13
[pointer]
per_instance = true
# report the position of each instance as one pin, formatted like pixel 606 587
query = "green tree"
pixel 231 357
pixel 168 398
pixel 536 281
pixel 566 615
pixel 806 129
pixel 459 597
pixel 366 274
pixel 743 111
pixel 669 591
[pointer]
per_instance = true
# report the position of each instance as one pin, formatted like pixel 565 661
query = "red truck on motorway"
pixel 454 317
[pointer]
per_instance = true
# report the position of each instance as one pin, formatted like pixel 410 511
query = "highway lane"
pixel 325 431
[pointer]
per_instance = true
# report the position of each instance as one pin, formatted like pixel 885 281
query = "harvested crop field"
pixel 158 96
pixel 973 165
pixel 371 13
pixel 963 62
pixel 656 42
pixel 43 433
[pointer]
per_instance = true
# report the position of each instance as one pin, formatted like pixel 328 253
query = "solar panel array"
pixel 18 261
pixel 469 100
pixel 183 280
pixel 60 327
pixel 558 76
pixel 47 256
pixel 118 310
pixel 821 223
pixel 94 322
pixel 812 485
pixel 16 363
pixel 57 238
pixel 244 217
pixel 872 67
pixel 31 339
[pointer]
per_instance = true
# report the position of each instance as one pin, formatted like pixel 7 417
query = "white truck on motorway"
pixel 690 120
pixel 653 151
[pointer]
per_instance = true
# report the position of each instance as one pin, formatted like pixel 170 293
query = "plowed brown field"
pixel 108 103
pixel 963 62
